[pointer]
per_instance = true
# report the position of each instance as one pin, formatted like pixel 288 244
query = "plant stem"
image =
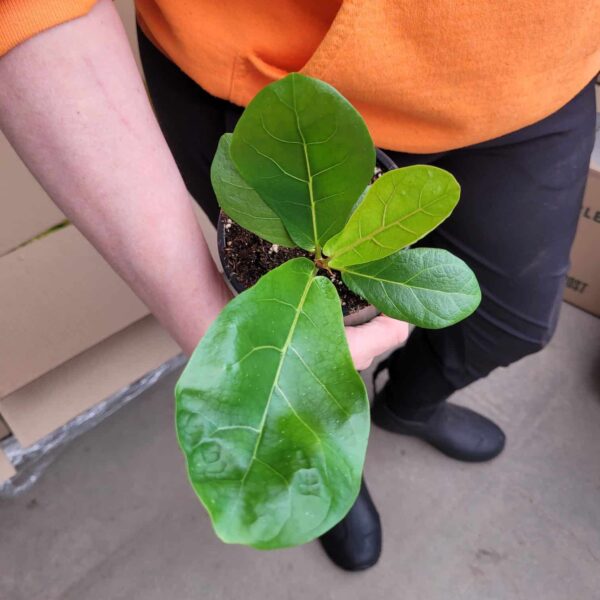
pixel 323 263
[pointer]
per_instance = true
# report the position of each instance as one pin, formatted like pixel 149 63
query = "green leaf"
pixel 271 415
pixel 428 287
pixel 241 202
pixel 401 207
pixel 307 152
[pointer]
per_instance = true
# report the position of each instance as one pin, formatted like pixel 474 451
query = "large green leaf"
pixel 307 152
pixel 271 415
pixel 400 208
pixel 428 287
pixel 241 202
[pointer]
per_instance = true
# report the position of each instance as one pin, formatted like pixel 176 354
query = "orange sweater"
pixel 426 75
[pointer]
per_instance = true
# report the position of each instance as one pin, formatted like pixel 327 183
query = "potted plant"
pixel 271 415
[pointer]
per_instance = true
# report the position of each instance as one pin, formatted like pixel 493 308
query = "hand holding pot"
pixel 373 338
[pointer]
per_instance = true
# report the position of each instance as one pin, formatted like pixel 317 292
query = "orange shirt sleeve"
pixel 22 19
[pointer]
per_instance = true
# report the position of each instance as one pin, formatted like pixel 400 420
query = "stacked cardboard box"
pixel 72 331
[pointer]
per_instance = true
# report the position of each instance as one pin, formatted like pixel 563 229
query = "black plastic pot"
pixel 384 163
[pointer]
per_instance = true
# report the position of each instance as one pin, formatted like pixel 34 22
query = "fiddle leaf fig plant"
pixel 271 415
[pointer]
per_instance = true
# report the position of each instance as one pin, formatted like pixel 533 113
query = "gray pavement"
pixel 114 518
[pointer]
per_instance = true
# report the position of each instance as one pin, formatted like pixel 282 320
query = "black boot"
pixel 456 431
pixel 354 544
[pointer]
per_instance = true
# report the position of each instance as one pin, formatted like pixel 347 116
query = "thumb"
pixel 382 333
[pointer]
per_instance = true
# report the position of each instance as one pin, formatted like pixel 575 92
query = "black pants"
pixel 514 225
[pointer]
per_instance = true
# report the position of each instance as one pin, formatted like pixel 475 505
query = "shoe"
pixel 354 544
pixel 456 431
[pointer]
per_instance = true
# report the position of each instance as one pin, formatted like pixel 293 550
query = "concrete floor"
pixel 113 518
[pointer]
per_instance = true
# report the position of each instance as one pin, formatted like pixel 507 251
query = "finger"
pixel 378 336
pixel 363 364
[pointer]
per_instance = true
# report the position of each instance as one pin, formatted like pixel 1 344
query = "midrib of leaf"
pixel 404 283
pixel 309 173
pixel 284 349
pixel 370 236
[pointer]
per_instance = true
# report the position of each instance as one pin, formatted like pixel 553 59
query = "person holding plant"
pixel 502 100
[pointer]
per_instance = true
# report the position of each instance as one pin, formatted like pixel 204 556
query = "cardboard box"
pixel 583 281
pixel 25 209
pixel 58 297
pixel 37 409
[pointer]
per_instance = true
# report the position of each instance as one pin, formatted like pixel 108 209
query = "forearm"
pixel 74 107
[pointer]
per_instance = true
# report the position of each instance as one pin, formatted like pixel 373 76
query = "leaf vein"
pixel 275 163
pixel 319 381
pixel 272 135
